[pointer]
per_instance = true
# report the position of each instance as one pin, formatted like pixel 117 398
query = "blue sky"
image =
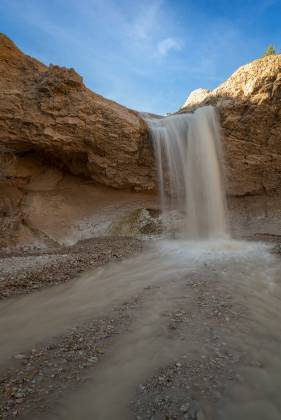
pixel 148 54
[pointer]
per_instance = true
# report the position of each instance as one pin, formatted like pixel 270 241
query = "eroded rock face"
pixel 47 111
pixel 197 96
pixel 52 127
pixel 249 103
pixel 42 206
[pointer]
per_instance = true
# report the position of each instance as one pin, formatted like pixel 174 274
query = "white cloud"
pixel 167 44
pixel 150 30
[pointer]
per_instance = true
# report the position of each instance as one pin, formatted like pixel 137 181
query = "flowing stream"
pixel 227 292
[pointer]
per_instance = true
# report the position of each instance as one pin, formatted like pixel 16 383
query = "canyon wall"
pixel 48 112
pixel 60 145
pixel 65 152
pixel 249 104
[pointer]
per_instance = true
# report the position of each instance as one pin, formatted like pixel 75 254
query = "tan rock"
pixel 249 103
pixel 197 96
pixel 52 125
pixel 49 112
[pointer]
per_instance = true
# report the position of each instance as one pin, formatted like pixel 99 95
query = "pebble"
pixel 19 400
pixel 20 356
pixel 184 408
pixel 19 395
pixel 93 360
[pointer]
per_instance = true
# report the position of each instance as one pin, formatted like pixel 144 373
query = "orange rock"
pixel 48 111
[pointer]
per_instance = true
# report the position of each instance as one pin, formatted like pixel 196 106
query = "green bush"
pixel 269 51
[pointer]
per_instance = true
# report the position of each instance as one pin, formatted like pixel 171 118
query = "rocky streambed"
pixel 26 271
pixel 175 331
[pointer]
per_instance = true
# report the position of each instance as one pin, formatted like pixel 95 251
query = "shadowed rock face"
pixel 249 103
pixel 47 111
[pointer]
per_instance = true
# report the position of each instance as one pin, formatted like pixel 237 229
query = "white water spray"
pixel 189 156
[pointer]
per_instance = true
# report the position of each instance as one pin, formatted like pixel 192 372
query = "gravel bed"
pixel 38 378
pixel 27 271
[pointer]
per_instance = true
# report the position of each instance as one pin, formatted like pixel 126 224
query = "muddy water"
pixel 246 272
pixel 257 395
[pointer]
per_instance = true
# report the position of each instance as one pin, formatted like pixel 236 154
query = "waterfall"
pixel 189 158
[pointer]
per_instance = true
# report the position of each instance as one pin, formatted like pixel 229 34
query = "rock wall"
pixel 249 103
pixel 43 206
pixel 48 112
pixel 59 140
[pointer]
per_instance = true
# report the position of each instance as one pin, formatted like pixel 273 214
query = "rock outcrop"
pixel 48 112
pixel 196 97
pixel 62 147
pixel 249 103
pixel 51 128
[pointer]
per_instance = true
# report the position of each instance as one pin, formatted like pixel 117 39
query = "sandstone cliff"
pixel 249 103
pixel 51 128
pixel 59 140
pixel 48 112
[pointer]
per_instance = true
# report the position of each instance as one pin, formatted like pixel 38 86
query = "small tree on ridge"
pixel 269 51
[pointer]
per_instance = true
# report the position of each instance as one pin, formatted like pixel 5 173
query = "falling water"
pixel 189 156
